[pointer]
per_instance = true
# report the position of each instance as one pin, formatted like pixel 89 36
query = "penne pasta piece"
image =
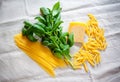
pixel 85 67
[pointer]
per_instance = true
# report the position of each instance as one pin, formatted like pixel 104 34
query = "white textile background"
pixel 15 66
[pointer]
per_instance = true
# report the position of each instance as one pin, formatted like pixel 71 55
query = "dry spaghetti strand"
pixel 39 53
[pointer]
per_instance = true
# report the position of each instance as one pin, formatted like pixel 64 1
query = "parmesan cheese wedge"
pixel 78 29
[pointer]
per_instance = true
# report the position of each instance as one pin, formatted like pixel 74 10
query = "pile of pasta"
pixel 40 54
pixel 90 50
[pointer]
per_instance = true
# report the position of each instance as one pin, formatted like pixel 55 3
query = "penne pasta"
pixel 90 51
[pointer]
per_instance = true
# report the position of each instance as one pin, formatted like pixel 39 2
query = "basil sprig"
pixel 48 28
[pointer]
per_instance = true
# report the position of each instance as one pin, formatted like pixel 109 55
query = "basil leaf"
pixel 65 34
pixel 40 24
pixel 48 20
pixel 58 55
pixel 54 38
pixel 63 37
pixel 56 25
pixel 57 19
pixel 31 38
pixel 40 19
pixel 58 13
pixel 44 11
pixel 71 39
pixel 45 43
pixel 38 34
pixel 38 29
pixel 24 30
pixel 66 47
pixel 56 9
pixel 48 29
pixel 27 23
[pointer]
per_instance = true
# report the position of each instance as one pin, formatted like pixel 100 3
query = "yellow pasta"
pixel 85 67
pixel 39 53
pixel 90 51
pixel 91 62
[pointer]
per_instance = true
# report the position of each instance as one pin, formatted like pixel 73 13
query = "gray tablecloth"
pixel 15 66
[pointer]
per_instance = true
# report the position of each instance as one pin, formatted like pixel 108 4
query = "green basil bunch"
pixel 48 28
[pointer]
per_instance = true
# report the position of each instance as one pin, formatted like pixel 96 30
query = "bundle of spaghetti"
pixel 90 50
pixel 39 53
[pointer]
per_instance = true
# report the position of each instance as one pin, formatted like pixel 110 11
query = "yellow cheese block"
pixel 78 29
